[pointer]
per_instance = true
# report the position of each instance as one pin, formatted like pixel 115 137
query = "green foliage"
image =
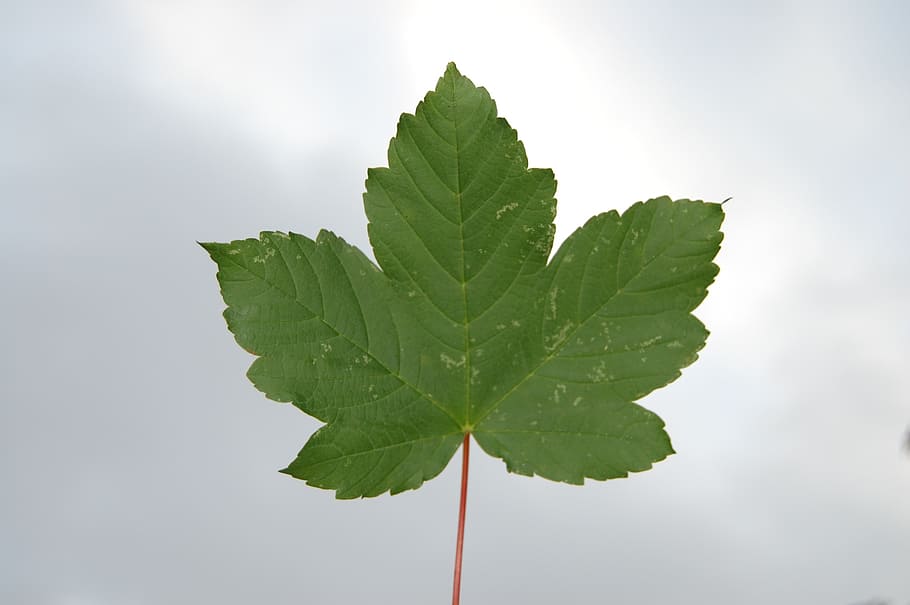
pixel 466 327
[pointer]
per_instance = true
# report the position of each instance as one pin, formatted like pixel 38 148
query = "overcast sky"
pixel 137 463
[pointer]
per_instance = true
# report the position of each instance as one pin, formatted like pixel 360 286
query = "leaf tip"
pixel 213 249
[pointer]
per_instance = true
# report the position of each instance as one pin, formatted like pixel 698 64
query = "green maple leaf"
pixel 464 327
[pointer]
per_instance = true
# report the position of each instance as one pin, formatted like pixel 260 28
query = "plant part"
pixel 464 328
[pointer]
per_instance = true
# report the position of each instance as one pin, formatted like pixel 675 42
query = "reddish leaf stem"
pixel 459 544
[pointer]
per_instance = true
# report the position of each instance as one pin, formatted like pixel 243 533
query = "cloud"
pixel 137 460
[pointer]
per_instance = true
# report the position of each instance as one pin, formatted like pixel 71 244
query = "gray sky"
pixel 137 463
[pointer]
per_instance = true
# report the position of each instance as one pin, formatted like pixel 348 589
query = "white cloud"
pixel 136 130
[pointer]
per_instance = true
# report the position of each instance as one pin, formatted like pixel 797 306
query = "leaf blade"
pixel 465 327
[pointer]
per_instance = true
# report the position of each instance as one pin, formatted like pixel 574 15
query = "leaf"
pixel 464 327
